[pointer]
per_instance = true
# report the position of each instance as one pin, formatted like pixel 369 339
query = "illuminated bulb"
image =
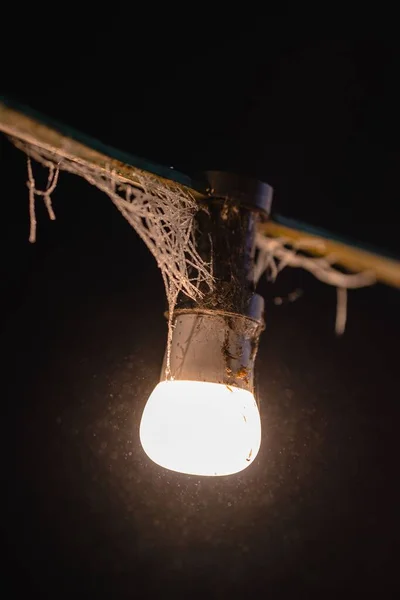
pixel 201 428
pixel 202 418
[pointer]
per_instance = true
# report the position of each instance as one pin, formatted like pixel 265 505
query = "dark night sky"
pixel 318 120
pixel 83 332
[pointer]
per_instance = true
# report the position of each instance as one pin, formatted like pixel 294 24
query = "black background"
pixel 83 333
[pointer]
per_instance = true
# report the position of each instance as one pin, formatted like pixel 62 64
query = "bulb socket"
pixel 216 346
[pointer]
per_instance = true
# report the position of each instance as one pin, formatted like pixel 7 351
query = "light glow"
pixel 201 428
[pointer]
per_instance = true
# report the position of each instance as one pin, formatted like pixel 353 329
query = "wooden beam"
pixel 66 143
pixel 81 149
pixel 387 270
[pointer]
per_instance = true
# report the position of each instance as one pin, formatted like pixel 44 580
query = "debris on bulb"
pixel 201 428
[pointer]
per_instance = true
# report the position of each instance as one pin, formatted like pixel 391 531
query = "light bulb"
pixel 201 428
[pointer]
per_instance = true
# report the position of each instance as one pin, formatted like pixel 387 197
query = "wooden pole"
pixel 32 131
pixel 387 270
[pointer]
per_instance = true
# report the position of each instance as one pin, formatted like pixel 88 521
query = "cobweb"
pixel 274 254
pixel 162 215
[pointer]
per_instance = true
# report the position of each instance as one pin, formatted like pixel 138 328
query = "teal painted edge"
pixel 294 224
pixel 94 144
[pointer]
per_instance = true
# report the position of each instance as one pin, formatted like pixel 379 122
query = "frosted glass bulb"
pixel 201 428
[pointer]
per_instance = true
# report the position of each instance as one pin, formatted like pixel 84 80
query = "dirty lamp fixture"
pixel 204 419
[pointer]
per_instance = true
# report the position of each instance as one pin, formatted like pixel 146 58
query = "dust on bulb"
pixel 201 428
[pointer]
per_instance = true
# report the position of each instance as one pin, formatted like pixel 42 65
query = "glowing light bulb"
pixel 201 428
